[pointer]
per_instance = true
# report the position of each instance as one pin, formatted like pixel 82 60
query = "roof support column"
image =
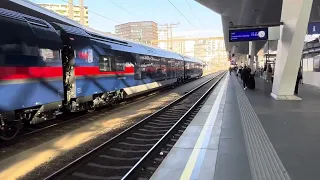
pixel 252 48
pixel 295 16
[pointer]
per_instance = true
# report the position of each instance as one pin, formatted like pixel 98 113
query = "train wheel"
pixel 10 131
pixel 26 118
pixel 113 101
pixel 90 107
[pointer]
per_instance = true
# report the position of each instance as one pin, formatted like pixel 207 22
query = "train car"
pixel 193 68
pixel 50 68
pixel 101 70
pixel 31 75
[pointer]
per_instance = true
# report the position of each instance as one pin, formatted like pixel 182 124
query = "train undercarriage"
pixel 12 122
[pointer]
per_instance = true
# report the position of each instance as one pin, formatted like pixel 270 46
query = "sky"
pixel 105 14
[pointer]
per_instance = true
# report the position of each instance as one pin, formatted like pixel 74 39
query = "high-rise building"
pixel 77 13
pixel 143 31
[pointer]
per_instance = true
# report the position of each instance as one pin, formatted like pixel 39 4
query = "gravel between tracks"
pixel 144 108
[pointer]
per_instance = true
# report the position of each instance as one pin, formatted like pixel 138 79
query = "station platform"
pixel 244 135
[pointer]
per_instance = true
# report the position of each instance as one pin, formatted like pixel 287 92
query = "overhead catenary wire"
pixel 121 7
pixel 97 14
pixel 182 14
pixel 195 14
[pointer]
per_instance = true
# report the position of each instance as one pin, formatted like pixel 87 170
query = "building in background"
pixel 189 48
pixel 77 13
pixel 165 32
pixel 178 46
pixel 143 31
pixel 163 35
pixel 212 51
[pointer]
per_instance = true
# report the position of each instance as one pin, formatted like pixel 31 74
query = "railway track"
pixel 62 120
pixel 65 119
pixel 69 119
pixel 127 155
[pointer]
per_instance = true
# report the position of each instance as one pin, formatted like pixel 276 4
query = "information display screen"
pixel 254 34
pixel 314 28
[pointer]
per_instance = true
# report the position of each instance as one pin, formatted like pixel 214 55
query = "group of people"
pixel 244 73
pixel 246 76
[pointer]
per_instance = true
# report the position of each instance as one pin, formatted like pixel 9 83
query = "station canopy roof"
pixel 250 12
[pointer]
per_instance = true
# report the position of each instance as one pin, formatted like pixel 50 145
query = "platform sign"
pixel 314 28
pixel 253 34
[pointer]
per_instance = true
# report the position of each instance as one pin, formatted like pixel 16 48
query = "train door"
pixel 68 71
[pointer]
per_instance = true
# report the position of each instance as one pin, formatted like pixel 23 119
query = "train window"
pixel 21 49
pixel 105 63
pixel 33 56
pixel 120 63
pixel 50 56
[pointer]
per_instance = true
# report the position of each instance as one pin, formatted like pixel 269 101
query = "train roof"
pixel 159 50
pixel 17 28
pixel 38 32
pixel 191 59
pixel 136 47
pixel 118 44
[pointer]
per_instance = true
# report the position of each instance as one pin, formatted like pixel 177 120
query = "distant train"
pixel 49 68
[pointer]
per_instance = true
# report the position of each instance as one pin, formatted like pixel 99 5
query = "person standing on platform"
pixel 245 75
pixel 230 69
pixel 299 77
pixel 269 73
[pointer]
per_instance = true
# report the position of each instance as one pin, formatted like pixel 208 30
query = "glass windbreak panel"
pixel 309 64
pixel 316 64
pixel 305 64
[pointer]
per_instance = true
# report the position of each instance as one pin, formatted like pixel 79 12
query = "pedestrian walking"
pixel 299 77
pixel 245 75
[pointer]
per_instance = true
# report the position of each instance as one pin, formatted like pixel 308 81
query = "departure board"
pixel 254 34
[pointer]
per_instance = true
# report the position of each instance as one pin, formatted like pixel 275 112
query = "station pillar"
pixel 295 16
pixel 252 54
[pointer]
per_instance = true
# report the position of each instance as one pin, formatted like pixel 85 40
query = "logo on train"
pixel 86 55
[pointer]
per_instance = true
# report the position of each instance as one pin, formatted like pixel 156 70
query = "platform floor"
pixel 293 127
pixel 248 135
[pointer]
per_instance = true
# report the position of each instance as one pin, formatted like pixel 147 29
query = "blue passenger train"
pixel 51 68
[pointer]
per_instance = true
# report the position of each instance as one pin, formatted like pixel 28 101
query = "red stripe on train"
pixel 22 73
pixel 94 70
